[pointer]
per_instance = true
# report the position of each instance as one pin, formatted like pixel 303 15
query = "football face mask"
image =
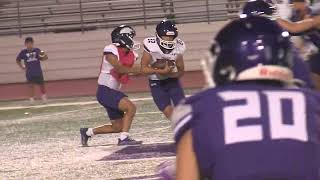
pixel 166 44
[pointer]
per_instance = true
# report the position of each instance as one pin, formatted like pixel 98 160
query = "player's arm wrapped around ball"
pixel 161 66
pixel 178 69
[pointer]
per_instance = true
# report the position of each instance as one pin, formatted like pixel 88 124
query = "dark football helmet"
pixel 166 28
pixel 252 48
pixel 123 36
pixel 258 7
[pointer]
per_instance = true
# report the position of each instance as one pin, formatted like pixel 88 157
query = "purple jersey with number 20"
pixel 251 131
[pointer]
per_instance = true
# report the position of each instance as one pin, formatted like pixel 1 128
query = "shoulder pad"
pixel 181 119
pixel 180 112
pixel 181 46
pixel 186 113
pixel 149 44
pixel 111 48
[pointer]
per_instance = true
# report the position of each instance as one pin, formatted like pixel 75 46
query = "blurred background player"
pixel 274 11
pixel 117 63
pixel 167 5
pixel 307 26
pixel 300 11
pixel 162 60
pixel 256 124
pixel 31 58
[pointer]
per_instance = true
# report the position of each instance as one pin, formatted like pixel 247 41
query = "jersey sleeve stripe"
pixel 108 52
pixel 146 49
pixel 179 125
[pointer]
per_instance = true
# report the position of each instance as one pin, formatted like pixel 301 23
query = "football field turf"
pixel 43 141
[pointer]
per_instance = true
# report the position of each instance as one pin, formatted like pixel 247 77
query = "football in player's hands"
pixel 161 64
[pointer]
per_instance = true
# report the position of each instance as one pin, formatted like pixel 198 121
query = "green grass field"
pixel 43 142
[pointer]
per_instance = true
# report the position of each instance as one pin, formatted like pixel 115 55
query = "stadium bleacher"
pixel 33 16
pixel 74 35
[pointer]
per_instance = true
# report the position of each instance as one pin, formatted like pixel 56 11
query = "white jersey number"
pixel 234 114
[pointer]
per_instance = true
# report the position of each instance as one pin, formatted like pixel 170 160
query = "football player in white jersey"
pixel 117 62
pixel 166 50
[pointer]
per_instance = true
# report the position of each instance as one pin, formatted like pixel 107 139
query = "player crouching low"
pixel 118 60
pixel 255 124
pixel 162 60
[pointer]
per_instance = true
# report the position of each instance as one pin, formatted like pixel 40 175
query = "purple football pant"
pixel 166 92
pixel 110 99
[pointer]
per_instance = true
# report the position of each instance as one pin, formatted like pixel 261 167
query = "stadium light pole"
pixel 144 14
pixel 81 16
pixel 19 19
pixel 208 12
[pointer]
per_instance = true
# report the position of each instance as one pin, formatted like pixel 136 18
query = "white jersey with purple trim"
pixel 151 46
pixel 105 78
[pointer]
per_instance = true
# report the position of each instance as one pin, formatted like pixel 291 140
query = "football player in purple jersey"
pixel 267 8
pixel 29 61
pixel 255 124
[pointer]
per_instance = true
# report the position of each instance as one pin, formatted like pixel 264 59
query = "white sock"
pixel 90 132
pixel 31 99
pixel 44 97
pixel 124 135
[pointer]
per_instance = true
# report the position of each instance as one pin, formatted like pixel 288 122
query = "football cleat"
pixel 128 141
pixel 84 136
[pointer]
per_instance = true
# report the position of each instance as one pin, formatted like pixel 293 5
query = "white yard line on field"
pixel 68 104
pixel 33 118
pixel 18 121
pixel 144 159
pixel 152 112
